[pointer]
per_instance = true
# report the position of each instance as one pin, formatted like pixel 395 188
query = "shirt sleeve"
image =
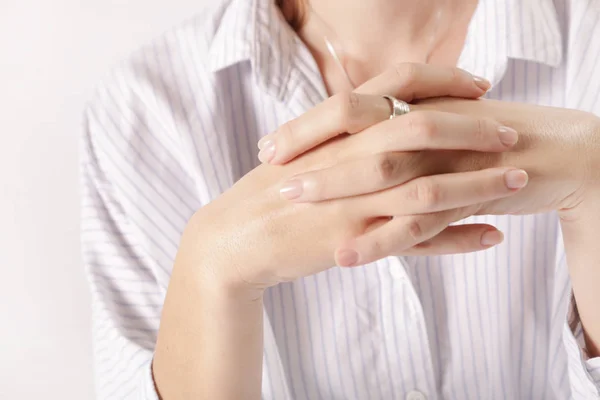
pixel 137 197
pixel 584 372
pixel 126 298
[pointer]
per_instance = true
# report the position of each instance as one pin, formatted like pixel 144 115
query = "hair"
pixel 294 12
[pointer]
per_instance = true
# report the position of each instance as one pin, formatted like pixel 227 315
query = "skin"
pixel 240 244
pixel 210 337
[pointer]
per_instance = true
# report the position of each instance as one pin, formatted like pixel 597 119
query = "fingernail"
pixel 482 83
pixel 492 238
pixel 267 152
pixel 516 179
pixel 347 258
pixel 292 189
pixel 508 136
pixel 262 141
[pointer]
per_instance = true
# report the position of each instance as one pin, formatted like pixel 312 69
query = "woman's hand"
pixel 250 238
pixel 346 113
pixel 264 239
pixel 557 147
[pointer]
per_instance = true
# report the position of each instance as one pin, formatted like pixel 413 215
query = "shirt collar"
pixel 511 29
pixel 533 31
pixel 255 31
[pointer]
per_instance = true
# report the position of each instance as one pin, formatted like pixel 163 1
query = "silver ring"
pixel 399 107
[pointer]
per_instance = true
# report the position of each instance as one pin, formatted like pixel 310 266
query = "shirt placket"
pixel 411 339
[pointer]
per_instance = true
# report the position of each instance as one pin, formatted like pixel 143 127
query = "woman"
pixel 252 305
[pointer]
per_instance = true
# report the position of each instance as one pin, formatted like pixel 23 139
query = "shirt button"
pixel 414 395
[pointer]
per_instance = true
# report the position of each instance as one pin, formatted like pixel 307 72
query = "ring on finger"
pixel 398 107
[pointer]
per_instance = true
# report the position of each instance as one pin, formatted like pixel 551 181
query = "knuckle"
pixel 386 167
pixel 414 229
pixel 375 249
pixel 353 100
pixel 322 186
pixel 285 134
pixel 427 193
pixel 320 192
pixel 467 243
pixel 407 72
pixel 462 245
pixel 481 129
pixel 463 212
pixel 408 77
pixel 421 125
pixel 347 105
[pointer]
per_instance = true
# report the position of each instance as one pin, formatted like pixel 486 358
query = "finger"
pixel 396 236
pixel 343 113
pixel 458 239
pixel 436 130
pixel 409 81
pixel 356 177
pixel 394 160
pixel 435 193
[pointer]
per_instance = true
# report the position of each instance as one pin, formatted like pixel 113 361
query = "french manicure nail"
pixel 292 189
pixel 515 179
pixel 347 258
pixel 508 136
pixel 492 238
pixel 267 152
pixel 482 83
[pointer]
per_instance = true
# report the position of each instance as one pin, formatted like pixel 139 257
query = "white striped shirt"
pixel 177 124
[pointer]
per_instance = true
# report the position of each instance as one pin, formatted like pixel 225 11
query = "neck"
pixel 371 36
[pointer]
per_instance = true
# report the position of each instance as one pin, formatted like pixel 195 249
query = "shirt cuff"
pixel 147 386
pixel 584 372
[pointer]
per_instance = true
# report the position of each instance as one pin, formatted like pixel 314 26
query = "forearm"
pixel 583 258
pixel 210 339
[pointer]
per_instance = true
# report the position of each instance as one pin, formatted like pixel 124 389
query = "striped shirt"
pixel 176 125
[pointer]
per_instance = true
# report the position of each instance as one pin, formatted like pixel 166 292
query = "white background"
pixel 52 53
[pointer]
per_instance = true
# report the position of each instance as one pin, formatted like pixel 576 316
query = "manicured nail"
pixel 515 179
pixel 347 258
pixel 292 189
pixel 508 136
pixel 262 141
pixel 267 152
pixel 492 238
pixel 482 83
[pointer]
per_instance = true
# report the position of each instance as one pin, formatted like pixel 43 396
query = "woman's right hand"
pixel 251 236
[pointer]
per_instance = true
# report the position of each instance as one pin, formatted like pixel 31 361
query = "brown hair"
pixel 294 12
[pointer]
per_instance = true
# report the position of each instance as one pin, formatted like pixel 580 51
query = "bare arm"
pixel 210 341
pixel 580 233
pixel 210 338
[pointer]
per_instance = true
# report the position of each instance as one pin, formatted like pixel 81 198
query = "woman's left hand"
pixel 559 149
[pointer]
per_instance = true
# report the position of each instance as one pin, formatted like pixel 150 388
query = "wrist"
pixel 212 267
pixel 223 288
pixel 585 161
